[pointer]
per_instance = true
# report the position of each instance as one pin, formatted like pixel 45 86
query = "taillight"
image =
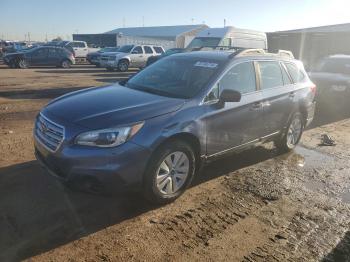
pixel 313 89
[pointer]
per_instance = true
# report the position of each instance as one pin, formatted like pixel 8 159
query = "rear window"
pixel 271 74
pixel 77 44
pixel 158 50
pixel 296 74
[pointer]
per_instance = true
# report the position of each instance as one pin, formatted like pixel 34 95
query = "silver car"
pixel 135 56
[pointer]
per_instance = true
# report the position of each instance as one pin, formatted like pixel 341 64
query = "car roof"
pixel 231 55
pixel 214 55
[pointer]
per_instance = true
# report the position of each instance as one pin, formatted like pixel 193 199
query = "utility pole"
pixel 143 21
pixel 192 20
pixel 29 37
pixel 224 23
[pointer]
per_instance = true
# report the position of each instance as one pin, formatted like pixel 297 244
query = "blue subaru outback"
pixel 153 131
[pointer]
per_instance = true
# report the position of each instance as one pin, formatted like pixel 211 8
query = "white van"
pixel 229 37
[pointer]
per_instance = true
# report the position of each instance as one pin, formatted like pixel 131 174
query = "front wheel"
pixel 65 64
pixel 293 134
pixel 123 66
pixel 22 64
pixel 170 172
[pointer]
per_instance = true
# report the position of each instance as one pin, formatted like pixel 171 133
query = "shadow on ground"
pixel 49 93
pixel 341 253
pixel 39 214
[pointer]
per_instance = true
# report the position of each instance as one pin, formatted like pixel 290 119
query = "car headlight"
pixel 110 137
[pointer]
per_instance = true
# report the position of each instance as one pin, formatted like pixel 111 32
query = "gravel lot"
pixel 255 206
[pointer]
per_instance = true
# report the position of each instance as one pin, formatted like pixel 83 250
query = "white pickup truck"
pixel 81 48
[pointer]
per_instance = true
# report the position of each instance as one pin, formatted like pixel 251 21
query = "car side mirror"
pixel 229 95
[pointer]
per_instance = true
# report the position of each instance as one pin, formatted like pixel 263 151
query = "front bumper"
pixel 108 63
pixel 114 169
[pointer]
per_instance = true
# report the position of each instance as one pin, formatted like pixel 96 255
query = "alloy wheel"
pixel 172 173
pixel 294 132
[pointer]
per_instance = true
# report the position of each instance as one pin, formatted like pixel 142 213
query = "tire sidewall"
pixel 150 187
pixel 120 68
pixel 283 144
pixel 65 64
pixel 22 63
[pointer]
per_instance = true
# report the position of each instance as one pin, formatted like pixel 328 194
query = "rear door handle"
pixel 257 106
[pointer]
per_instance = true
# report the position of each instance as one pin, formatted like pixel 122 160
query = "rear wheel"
pixel 22 63
pixel 65 64
pixel 292 136
pixel 123 65
pixel 170 172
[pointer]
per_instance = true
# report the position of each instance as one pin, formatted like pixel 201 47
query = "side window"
pixel 41 53
pixel 297 75
pixel 138 50
pixel 225 42
pixel 148 50
pixel 286 79
pixel 241 78
pixel 271 75
pixel 158 50
pixel 53 52
pixel 213 95
pixel 77 44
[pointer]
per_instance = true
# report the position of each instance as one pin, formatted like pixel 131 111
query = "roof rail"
pixel 251 52
pixel 285 53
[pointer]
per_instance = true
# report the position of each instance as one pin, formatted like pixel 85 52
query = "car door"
pixel 39 57
pixel 278 95
pixel 136 57
pixel 54 56
pixel 234 124
pixel 148 53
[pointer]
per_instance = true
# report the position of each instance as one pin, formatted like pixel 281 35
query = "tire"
pixel 292 135
pixel 165 178
pixel 65 64
pixel 23 64
pixel 123 65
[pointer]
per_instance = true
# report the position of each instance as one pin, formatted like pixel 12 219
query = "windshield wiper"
pixel 152 90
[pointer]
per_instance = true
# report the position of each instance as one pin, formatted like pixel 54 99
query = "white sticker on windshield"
pixel 206 64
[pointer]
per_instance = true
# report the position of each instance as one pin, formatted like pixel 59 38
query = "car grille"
pixel 48 133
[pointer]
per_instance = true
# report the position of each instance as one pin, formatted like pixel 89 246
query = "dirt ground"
pixel 254 206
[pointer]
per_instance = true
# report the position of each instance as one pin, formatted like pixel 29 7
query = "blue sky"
pixel 65 17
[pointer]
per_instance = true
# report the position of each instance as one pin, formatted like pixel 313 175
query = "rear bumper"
pixel 310 114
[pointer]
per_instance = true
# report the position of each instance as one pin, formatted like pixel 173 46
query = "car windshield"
pixel 180 77
pixel 204 42
pixel 335 65
pixel 173 51
pixel 126 48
